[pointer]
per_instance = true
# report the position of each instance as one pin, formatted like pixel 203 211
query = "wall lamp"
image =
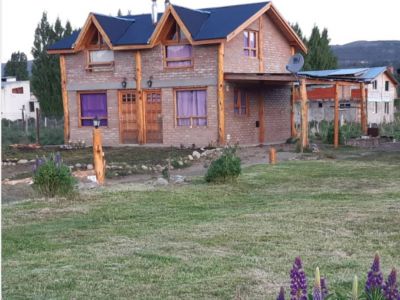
pixel 123 83
pixel 150 82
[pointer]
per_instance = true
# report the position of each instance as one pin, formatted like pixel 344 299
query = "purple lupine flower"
pixel 281 295
pixel 375 277
pixel 324 288
pixel 317 293
pixel 58 160
pixel 38 163
pixel 390 290
pixel 298 281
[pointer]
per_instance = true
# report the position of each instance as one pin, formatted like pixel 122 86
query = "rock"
pixel 161 182
pixel 71 168
pixel 178 179
pixel 180 163
pixel 190 157
pixel 202 149
pixel 90 167
pixel 32 160
pixel 13 164
pixel 78 166
pixel 196 154
pixel 23 161
pixel 314 148
pixel 159 168
pixel 144 168
pixel 171 167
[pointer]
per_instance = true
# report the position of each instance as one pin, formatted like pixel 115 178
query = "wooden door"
pixel 153 117
pixel 128 126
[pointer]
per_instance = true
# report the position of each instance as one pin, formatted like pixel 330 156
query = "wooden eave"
pixel 61 51
pixel 277 78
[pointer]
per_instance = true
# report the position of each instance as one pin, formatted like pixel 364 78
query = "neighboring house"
pixel 17 102
pixel 181 77
pixel 381 90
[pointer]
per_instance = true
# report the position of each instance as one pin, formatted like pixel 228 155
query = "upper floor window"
pixel 375 84
pixel 178 52
pixel 386 86
pixel 18 90
pixel 99 55
pixel 240 103
pixel 250 43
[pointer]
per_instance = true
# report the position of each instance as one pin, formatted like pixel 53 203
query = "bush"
pixel 329 139
pixel 52 178
pixel 226 167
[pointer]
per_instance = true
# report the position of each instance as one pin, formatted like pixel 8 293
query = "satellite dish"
pixel 296 62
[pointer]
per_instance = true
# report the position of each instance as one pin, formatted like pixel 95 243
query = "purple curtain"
pixel 93 105
pixel 183 52
pixel 191 104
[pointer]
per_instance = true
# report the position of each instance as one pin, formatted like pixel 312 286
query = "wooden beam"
pixel 304 114
pixel 261 120
pixel 98 156
pixel 292 50
pixel 221 96
pixel 64 95
pixel 293 131
pixel 336 118
pixel 139 96
pixel 260 45
pixel 363 105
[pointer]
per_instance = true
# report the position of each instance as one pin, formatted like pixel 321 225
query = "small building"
pixel 381 90
pixel 181 77
pixel 17 102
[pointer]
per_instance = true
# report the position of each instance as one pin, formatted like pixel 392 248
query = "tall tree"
pixel 17 66
pixel 119 14
pixel 46 69
pixel 299 32
pixel 320 55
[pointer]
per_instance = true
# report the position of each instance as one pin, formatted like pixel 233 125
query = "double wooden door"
pixel 129 117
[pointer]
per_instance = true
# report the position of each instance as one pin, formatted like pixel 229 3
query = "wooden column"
pixel 304 114
pixel 363 107
pixel 293 131
pixel 221 96
pixel 261 120
pixel 64 95
pixel 98 156
pixel 292 50
pixel 336 118
pixel 260 46
pixel 139 96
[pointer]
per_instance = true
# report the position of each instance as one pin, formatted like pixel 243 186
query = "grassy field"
pixel 208 241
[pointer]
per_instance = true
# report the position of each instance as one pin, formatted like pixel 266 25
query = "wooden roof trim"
pixel 61 51
pixel 182 25
pixel 248 22
pixel 391 77
pixel 81 37
pixel 298 42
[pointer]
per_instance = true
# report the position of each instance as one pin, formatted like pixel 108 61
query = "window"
pixel 344 105
pixel 240 103
pixel 178 56
pixel 386 86
pixel 191 108
pixel 387 108
pixel 250 43
pixel 31 106
pixel 93 105
pixel 18 90
pixel 375 85
pixel 101 58
pixel 376 107
pixel 320 104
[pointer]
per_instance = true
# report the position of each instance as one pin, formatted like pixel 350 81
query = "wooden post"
pixel 272 156
pixel 221 97
pixel 304 114
pixel 260 45
pixel 37 126
pixel 336 118
pixel 363 105
pixel 98 156
pixel 139 92
pixel 64 95
pixel 292 50
pixel 261 121
pixel 293 131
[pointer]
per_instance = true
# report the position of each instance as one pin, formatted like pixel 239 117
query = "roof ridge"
pixel 236 5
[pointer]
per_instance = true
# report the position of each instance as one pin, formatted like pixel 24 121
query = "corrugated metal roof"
pixel 203 24
pixel 358 74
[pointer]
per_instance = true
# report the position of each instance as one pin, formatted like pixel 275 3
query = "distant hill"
pixel 368 54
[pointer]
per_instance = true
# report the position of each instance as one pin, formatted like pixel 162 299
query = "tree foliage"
pixel 17 66
pixel 320 55
pixel 45 79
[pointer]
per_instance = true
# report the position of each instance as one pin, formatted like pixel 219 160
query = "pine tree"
pixel 45 80
pixel 299 32
pixel 119 14
pixel 68 29
pixel 17 66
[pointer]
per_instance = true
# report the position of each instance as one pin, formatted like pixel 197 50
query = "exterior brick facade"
pixel 203 74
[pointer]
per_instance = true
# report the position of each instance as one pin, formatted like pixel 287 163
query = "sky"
pixel 346 20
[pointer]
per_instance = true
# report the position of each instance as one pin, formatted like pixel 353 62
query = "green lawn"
pixel 207 241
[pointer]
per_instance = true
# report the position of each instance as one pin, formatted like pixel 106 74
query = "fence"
pixel 48 131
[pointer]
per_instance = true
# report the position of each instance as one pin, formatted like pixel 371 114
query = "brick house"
pixel 181 77
pixel 380 91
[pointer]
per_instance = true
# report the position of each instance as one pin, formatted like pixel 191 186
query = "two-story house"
pixel 181 77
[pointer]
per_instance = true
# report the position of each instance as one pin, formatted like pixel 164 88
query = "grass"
pixel 207 241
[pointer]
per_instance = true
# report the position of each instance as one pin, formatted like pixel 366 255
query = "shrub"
pixel 52 178
pixel 226 167
pixel 330 135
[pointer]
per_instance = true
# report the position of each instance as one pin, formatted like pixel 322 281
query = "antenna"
pixel 296 62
